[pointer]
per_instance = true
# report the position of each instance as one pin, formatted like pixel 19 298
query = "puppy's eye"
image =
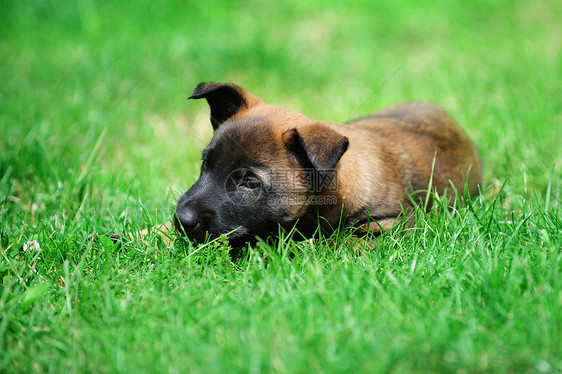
pixel 250 182
pixel 243 180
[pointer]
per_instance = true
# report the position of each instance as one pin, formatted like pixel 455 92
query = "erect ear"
pixel 225 100
pixel 317 146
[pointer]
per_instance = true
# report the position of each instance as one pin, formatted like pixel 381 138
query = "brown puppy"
pixel 268 166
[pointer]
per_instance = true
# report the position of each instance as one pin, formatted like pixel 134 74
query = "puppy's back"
pixel 418 133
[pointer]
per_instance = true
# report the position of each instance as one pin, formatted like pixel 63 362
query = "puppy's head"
pixel 265 167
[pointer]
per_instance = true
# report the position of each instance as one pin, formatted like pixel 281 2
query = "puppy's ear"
pixel 316 146
pixel 225 100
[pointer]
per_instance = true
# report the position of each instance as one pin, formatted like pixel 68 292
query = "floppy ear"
pixel 316 146
pixel 225 100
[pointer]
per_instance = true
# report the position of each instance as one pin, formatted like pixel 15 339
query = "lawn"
pixel 96 135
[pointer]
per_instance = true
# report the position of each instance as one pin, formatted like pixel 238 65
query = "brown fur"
pixel 379 160
pixel 387 152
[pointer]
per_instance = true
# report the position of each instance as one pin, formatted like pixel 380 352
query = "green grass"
pixel 96 136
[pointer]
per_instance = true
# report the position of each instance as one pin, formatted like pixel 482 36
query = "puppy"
pixel 268 168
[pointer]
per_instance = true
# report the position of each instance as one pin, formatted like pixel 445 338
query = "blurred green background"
pixel 72 71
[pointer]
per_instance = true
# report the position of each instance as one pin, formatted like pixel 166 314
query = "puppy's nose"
pixel 187 218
